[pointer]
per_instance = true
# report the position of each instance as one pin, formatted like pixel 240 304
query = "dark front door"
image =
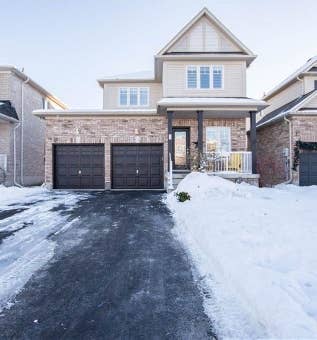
pixel 181 148
pixel 308 168
pixel 137 166
pixel 79 166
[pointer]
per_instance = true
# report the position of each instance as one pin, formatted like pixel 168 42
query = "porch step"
pixel 178 176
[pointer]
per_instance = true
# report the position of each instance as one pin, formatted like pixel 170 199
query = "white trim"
pixel 212 101
pixel 128 88
pixel 293 110
pixel 211 77
pixel 216 22
pixel 219 127
pixel 222 77
pixel 292 77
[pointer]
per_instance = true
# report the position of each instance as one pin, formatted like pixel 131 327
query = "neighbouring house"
pixel 287 130
pixel 191 112
pixel 22 135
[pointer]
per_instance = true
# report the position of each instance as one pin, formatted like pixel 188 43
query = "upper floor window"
pixel 192 77
pixel 217 77
pixel 134 96
pixel 205 77
pixel 218 139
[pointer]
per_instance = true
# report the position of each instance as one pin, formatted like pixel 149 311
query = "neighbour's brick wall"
pixel 105 130
pixel 271 140
pixel 136 129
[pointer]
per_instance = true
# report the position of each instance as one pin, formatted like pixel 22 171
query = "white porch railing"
pixel 3 162
pixel 235 162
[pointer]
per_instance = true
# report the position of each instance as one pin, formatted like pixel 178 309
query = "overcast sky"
pixel 65 45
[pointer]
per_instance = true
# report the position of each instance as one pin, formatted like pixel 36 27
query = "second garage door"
pixel 137 166
pixel 308 168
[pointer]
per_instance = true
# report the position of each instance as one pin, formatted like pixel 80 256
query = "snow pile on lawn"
pixel 9 195
pixel 255 250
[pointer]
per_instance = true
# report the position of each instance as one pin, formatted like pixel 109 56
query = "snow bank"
pixel 255 250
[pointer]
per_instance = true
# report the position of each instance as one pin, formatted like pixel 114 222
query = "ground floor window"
pixel 218 139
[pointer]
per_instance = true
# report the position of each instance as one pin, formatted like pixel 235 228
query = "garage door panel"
pixel 79 166
pixel 308 168
pixel 133 166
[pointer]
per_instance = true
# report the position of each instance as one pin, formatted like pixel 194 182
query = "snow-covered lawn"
pixel 25 242
pixel 256 253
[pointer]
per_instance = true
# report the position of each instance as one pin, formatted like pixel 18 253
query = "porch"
pixel 209 134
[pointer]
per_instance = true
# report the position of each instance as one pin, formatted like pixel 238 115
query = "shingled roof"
pixel 274 115
pixel 8 110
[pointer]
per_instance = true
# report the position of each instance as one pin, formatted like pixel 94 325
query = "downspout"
pixel 22 132
pixel 290 151
pixel 15 157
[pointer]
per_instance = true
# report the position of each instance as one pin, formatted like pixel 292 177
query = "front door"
pixel 181 148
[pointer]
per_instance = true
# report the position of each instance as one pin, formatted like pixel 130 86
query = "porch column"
pixel 253 139
pixel 200 117
pixel 169 133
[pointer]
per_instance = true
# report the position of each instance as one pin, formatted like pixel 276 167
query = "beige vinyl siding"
pixel 111 94
pixel 312 103
pixel 4 85
pixel 175 80
pixel 309 83
pixel 204 36
pixel 290 93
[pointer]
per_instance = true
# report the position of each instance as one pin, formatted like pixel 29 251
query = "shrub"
pixel 182 196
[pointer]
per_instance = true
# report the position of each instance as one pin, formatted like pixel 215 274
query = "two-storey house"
pixel 287 130
pixel 22 135
pixel 191 112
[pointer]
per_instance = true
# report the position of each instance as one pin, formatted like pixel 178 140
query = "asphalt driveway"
pixel 117 273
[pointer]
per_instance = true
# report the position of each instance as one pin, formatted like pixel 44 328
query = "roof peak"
pixel 304 68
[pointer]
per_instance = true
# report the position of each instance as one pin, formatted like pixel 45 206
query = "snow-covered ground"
pixel 256 254
pixel 25 245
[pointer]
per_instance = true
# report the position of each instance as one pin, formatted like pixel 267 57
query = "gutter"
pixel 9 119
pixel 22 132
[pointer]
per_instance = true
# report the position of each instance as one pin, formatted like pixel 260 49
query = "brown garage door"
pixel 79 166
pixel 308 168
pixel 137 166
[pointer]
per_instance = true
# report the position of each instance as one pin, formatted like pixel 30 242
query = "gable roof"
pixel 7 110
pixel 290 107
pixel 305 68
pixel 216 22
pixel 24 77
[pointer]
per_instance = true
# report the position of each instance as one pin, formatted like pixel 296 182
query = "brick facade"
pixel 142 129
pixel 272 139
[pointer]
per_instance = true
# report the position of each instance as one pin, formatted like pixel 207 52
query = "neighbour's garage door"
pixel 137 166
pixel 79 166
pixel 308 168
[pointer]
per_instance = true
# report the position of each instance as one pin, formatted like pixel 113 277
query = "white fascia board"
pixel 291 78
pixel 94 112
